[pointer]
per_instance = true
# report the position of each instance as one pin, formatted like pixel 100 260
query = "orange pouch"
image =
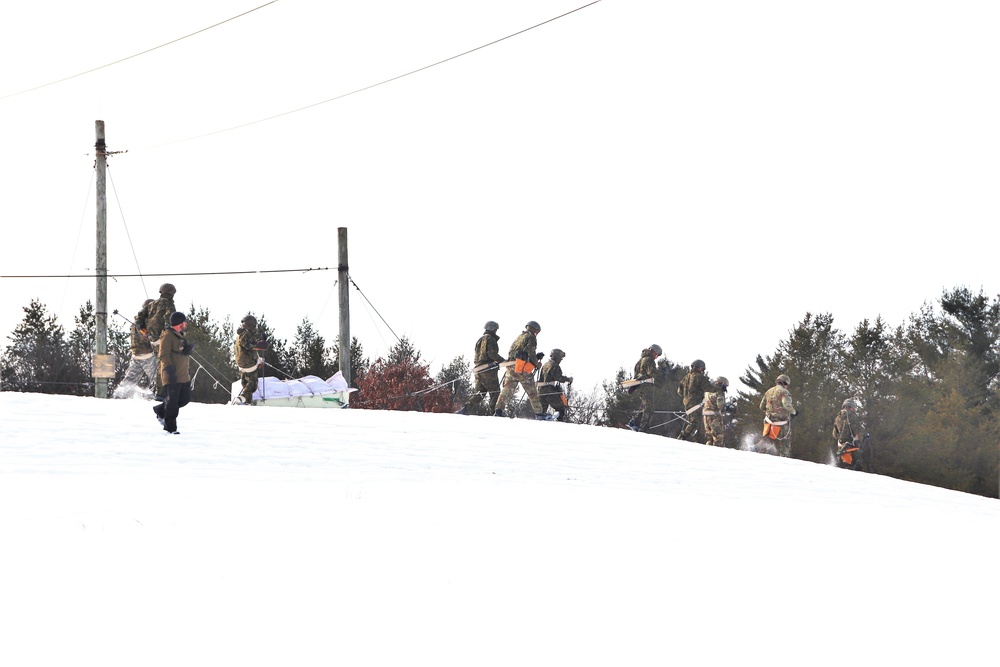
pixel 523 366
pixel 772 431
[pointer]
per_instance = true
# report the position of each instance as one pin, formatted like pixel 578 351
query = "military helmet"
pixel 534 326
pixel 167 288
pixel 656 349
pixel 249 321
pixel 557 354
pixel 783 379
pixel 721 381
pixel 698 365
pixel 491 326
pixel 850 403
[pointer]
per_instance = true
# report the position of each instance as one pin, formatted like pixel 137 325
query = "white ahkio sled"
pixel 305 392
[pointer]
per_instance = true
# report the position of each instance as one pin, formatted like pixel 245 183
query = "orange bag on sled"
pixel 847 455
pixel 523 366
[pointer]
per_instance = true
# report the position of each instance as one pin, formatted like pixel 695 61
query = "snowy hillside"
pixel 264 536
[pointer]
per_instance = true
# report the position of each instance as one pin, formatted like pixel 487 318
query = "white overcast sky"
pixel 634 172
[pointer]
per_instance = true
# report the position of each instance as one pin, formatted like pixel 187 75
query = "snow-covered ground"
pixel 269 536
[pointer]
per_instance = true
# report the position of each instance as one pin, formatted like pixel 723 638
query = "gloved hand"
pixel 187 348
pixel 795 414
pixel 539 356
pixel 569 380
pixel 260 345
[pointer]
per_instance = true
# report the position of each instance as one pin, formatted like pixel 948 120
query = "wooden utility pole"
pixel 101 358
pixel 345 305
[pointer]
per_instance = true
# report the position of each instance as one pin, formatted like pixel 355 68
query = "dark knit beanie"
pixel 177 318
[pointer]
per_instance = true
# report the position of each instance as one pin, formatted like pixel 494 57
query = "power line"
pixel 380 83
pixel 136 55
pixel 193 273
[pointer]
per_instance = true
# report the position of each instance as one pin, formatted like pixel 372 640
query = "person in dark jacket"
pixel 174 354
pixel 486 368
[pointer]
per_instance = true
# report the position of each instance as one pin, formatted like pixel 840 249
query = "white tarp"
pixel 305 392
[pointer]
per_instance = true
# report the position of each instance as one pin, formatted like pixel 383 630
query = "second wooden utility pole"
pixel 343 280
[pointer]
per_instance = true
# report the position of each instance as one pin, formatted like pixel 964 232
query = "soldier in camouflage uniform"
pixel 692 392
pixel 645 369
pixel 487 362
pixel 549 391
pixel 143 363
pixel 715 403
pixel 248 358
pixel 779 410
pixel 522 353
pixel 157 320
pixel 849 432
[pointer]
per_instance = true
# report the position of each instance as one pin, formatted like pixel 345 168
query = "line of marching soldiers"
pixel 519 369
pixel 696 390
pixel 699 392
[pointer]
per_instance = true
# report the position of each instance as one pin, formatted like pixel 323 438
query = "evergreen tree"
pixel 876 366
pixel 813 357
pixel 359 364
pixel 212 358
pixel 456 378
pixel 37 358
pixel 82 345
pixel 942 430
pixel 620 406
pixel 310 352
pixel 279 358
pixel 973 322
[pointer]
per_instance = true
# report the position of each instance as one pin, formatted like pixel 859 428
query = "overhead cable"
pixel 136 55
pixel 380 83
pixel 194 273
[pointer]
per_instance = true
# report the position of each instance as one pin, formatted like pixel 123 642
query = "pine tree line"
pixel 929 389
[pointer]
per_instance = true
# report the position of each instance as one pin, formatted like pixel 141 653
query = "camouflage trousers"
pixel 249 382
pixel 781 443
pixel 715 431
pixel 555 400
pixel 645 392
pixel 487 383
pixel 137 369
pixel 690 430
pixel 527 382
